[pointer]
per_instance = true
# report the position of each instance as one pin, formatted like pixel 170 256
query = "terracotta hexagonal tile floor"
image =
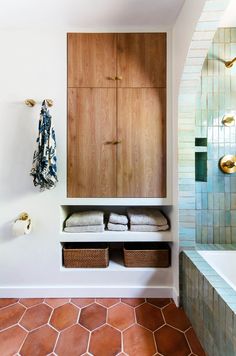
pixel 64 316
pixel 10 315
pixel 11 340
pixel 105 327
pixel 36 316
pixel 121 316
pixel 171 342
pixel 93 316
pixel 72 341
pixel 139 341
pixel 176 317
pixel 39 342
pixel 107 302
pixel 149 316
pixel 105 341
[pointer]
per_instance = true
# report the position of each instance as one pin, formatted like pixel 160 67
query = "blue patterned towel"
pixel 44 169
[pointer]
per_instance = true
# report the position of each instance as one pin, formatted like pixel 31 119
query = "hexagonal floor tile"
pixel 171 342
pixel 105 341
pixel 93 316
pixel 72 341
pixel 176 317
pixel 82 302
pixel 4 302
pixel 149 316
pixel 133 302
pixel 194 343
pixel 64 316
pixel 56 302
pixel 11 340
pixel 121 316
pixel 29 302
pixel 159 302
pixel 39 342
pixel 107 302
pixel 138 341
pixel 10 315
pixel 36 316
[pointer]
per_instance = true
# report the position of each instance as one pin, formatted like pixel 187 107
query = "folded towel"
pixel 117 227
pixel 85 218
pixel 148 228
pixel 83 228
pixel 145 216
pixel 118 219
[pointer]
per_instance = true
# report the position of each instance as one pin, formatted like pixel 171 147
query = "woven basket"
pixel 85 255
pixel 146 255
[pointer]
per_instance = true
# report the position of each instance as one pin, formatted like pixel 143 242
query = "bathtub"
pixel 208 296
pixel 224 263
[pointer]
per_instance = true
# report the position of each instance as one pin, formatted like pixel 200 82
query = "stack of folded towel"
pixel 85 221
pixel 117 222
pixel 144 219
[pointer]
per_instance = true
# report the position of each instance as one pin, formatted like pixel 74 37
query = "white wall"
pixel 33 65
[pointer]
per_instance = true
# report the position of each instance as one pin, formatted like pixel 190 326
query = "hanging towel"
pixel 44 169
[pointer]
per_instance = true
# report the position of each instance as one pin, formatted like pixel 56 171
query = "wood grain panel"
pixel 91 59
pixel 91 123
pixel 141 155
pixel 141 60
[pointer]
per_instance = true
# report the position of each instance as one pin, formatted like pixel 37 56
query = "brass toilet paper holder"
pixel 228 164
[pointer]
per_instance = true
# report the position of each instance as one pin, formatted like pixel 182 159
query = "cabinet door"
pixel 91 60
pixel 141 155
pixel 91 159
pixel 141 60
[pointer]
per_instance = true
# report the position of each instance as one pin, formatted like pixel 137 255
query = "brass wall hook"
pixel 228 164
pixel 32 102
pixel 230 64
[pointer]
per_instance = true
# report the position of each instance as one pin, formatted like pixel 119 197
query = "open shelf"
pixel 116 264
pixel 117 236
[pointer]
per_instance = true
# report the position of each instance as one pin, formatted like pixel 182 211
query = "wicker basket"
pixel 85 255
pixel 146 254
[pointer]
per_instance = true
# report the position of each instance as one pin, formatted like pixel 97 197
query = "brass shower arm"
pixel 230 64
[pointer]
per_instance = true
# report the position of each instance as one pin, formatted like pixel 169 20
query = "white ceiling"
pixel 90 14
pixel 229 17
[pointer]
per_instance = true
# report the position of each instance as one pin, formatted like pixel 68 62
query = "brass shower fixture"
pixel 230 64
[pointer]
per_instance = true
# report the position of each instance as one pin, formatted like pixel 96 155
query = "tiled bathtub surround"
pixel 95 327
pixel 210 303
pixel 216 198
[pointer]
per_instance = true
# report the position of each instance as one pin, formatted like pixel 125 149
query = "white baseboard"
pixel 87 291
pixel 175 296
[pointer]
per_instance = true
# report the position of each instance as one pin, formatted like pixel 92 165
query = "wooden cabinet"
pixel 141 60
pixel 91 157
pixel 117 115
pixel 91 60
pixel 141 162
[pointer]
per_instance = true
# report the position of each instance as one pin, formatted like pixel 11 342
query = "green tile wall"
pixel 210 304
pixel 215 198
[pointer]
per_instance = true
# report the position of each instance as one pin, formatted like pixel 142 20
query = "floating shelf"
pixel 117 236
